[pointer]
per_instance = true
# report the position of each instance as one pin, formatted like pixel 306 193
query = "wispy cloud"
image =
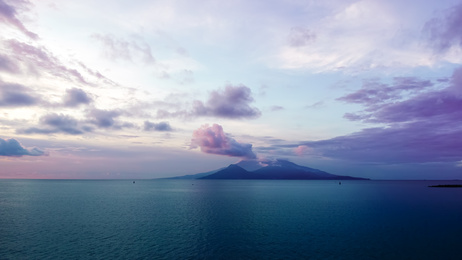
pixel 373 92
pixel 343 41
pixel 388 103
pixel 39 60
pixel 9 15
pixel 116 48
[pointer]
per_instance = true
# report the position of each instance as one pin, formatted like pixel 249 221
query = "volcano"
pixel 268 170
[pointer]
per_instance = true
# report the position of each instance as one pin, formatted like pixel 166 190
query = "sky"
pixel 152 89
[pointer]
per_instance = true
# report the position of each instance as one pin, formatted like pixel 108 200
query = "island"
pixel 278 169
pixel 446 186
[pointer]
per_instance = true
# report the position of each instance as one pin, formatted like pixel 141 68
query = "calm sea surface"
pixel 221 219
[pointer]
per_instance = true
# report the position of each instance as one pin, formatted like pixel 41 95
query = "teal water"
pixel 221 219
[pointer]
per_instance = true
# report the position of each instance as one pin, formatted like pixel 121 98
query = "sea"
pixel 229 219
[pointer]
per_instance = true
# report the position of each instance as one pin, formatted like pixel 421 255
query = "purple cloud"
pixel 440 106
pixel 385 104
pixel 57 123
pixel 373 93
pixel 15 95
pixel 445 32
pixel 418 142
pixel 64 123
pixel 212 139
pixel 11 147
pixel 423 127
pixel 161 126
pixel 9 15
pixel 232 102
pixel 60 123
pixel 103 118
pixel 106 119
pixel 75 97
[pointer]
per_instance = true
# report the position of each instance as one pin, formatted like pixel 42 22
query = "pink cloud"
pixel 303 150
pixel 212 139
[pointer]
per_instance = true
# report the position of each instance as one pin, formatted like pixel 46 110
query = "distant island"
pixel 446 186
pixel 267 170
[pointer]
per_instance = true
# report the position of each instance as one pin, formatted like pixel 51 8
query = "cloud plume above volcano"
pixel 213 140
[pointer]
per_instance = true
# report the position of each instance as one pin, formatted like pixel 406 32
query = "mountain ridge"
pixel 267 170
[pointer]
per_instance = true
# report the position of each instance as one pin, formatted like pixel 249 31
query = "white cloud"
pixel 364 35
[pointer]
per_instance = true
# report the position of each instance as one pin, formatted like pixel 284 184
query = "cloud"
pixel 373 93
pixel 389 40
pixel 420 127
pixel 417 142
pixel 15 95
pixel 315 105
pixel 276 108
pixel 103 118
pixel 75 97
pixel 232 102
pixel 388 104
pixel 120 49
pixel 440 106
pixel 161 126
pixel 9 15
pixel 212 139
pixel 302 150
pixel 38 60
pixel 6 64
pixel 300 36
pixel 66 124
pixel 11 147
pixel 445 32
pixel 107 119
pixel 57 123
